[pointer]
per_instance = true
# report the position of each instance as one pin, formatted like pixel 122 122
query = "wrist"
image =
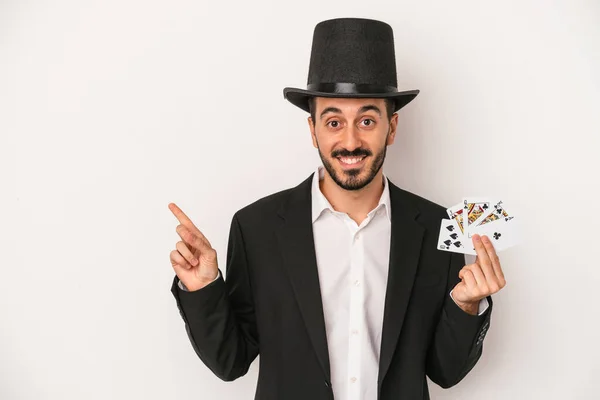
pixel 201 282
pixel 469 307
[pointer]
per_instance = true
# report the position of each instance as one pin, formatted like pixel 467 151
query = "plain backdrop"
pixel 109 110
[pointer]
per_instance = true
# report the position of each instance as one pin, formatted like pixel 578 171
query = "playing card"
pixel 455 213
pixel 473 208
pixel 450 237
pixel 493 214
pixel 503 232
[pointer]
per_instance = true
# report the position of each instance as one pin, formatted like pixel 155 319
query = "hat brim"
pixel 299 97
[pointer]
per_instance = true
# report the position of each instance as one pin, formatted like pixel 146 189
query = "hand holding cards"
pixel 477 216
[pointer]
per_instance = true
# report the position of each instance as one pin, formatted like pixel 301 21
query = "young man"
pixel 337 283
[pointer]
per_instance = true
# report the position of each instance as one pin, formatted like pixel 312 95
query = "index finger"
pixel 483 258
pixel 493 257
pixel 488 254
pixel 184 219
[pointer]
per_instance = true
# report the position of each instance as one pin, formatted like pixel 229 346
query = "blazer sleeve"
pixel 457 343
pixel 219 318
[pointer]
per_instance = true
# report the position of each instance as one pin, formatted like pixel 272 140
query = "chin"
pixel 354 178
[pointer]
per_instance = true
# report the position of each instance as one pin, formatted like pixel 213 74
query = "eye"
pixel 368 119
pixel 333 122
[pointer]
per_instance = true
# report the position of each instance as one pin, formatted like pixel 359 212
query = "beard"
pixel 351 179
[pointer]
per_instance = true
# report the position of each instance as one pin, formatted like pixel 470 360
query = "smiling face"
pixel 351 135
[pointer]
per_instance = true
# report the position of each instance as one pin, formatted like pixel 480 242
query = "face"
pixel 352 135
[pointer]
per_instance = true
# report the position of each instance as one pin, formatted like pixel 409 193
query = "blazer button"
pixel 327 384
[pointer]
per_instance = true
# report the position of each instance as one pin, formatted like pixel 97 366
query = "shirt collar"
pixel 320 202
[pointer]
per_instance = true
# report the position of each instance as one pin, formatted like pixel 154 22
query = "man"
pixel 337 282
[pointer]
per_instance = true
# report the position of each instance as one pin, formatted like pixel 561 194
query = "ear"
pixel 391 135
pixel 312 132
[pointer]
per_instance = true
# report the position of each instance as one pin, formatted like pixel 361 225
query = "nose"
pixel 351 139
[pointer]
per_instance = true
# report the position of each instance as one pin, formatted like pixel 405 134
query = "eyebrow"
pixel 363 109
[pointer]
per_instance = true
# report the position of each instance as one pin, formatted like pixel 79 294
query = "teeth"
pixel 351 160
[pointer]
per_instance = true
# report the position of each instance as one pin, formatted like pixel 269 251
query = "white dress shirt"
pixel 352 263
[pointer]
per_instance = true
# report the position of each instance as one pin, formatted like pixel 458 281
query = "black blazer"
pixel 270 304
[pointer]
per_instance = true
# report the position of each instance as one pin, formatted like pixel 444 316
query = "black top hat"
pixel 351 57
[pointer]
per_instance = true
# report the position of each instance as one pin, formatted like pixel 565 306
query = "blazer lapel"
pixel 405 247
pixel 296 244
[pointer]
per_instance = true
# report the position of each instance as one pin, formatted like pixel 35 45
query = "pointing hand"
pixel 194 260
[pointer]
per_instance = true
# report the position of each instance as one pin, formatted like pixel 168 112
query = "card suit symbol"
pixel 485 206
pixel 454 236
pixel 457 244
pixel 448 242
pixel 450 227
pixel 497 235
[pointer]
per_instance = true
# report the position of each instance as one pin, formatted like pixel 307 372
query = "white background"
pixel 110 110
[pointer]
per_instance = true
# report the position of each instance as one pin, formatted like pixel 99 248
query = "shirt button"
pixel 354 331
pixel 356 283
pixel 353 379
pixel 357 236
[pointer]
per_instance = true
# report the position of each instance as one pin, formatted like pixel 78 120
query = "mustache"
pixel 355 153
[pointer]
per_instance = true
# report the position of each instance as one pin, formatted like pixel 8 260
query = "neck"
pixel 356 203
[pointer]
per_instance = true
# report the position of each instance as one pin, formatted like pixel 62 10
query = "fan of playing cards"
pixel 477 216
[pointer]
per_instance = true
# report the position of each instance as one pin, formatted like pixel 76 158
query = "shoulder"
pixel 266 205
